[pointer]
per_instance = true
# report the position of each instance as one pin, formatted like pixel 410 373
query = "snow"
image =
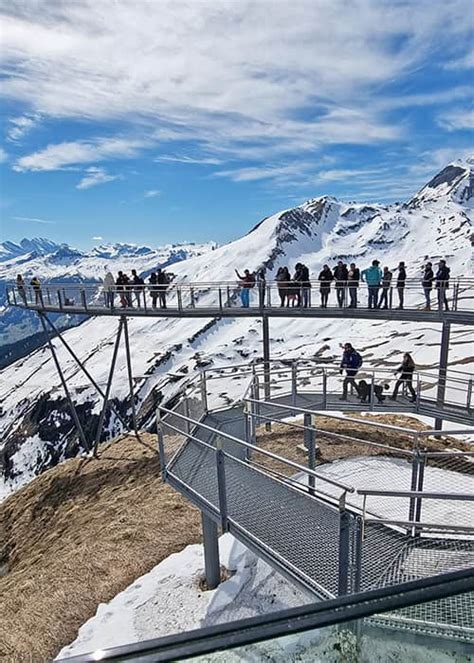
pixel 168 599
pixel 321 230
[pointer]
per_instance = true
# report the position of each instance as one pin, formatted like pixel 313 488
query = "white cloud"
pixel 206 161
pixel 34 219
pixel 3 155
pixel 223 75
pixel 455 120
pixel 254 173
pixel 63 155
pixel 20 126
pixel 464 62
pixel 97 238
pixel 94 177
pixel 152 193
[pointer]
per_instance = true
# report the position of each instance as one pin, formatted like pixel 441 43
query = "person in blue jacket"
pixel 351 362
pixel 373 277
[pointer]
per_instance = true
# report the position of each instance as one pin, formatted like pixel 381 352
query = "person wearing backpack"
pixel 350 363
pixel 247 281
pixel 442 284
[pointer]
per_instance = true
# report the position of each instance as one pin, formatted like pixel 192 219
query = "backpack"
pixel 358 361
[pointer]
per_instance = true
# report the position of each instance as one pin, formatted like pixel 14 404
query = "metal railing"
pixel 457 295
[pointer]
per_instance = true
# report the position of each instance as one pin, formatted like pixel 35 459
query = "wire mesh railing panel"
pixel 302 531
pixel 195 467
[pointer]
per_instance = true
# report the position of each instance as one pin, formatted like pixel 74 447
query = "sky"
pixel 164 121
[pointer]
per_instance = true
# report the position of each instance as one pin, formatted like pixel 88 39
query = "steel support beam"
pixel 81 365
pixel 443 367
pixel 266 364
pixel 211 552
pixel 107 390
pixel 77 423
pixel 129 371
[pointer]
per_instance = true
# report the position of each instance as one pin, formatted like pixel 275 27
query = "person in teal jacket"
pixel 373 277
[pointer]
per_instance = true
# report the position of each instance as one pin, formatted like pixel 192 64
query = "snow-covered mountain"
pixel 437 222
pixel 59 262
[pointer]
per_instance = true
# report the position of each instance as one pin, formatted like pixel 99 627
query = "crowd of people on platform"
pixel 351 363
pixel 295 290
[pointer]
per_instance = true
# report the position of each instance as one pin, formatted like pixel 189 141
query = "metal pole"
pixel 204 391
pixel 443 367
pixel 81 365
pixel 469 394
pixel 161 445
pixel 414 477
pixel 344 545
pixel 309 441
pixel 221 487
pixel 357 554
pixel 129 371
pixel 211 551
pixel 107 390
pixel 266 364
pixel 419 500
pixel 79 428
pixel 294 387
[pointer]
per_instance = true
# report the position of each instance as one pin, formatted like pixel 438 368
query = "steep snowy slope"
pixel 36 425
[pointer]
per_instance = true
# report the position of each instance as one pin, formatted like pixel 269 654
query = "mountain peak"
pixel 455 181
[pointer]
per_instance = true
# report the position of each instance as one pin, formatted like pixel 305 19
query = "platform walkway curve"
pixel 313 527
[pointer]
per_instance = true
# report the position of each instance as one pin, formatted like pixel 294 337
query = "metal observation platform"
pixel 332 528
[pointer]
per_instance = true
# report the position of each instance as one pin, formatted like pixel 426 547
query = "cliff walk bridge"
pixel 401 512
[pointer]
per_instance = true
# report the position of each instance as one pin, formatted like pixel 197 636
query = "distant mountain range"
pixel 35 426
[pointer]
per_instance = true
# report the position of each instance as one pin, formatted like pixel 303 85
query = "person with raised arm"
pixel 372 276
pixel 427 284
pixel 246 282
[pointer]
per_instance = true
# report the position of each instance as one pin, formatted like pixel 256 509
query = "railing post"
pixel 310 444
pixel 48 295
pixel 161 445
pixel 372 391
pixel 60 300
pixel 344 547
pixel 228 297
pixel 221 487
pixel 211 552
pixel 469 394
pixel 325 389
pixel 83 299
pixel 357 552
pixel 269 296
pixel 294 386
pixel 204 391
pixel 418 392
pixel 443 367
pixel 186 414
pixel 390 297
pixel 179 298
pixel 414 477
pixel 220 299
pixel 191 293
pixel 419 488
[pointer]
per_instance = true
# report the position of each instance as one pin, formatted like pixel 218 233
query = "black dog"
pixel 365 391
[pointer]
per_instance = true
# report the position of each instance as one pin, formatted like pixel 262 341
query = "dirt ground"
pixel 79 534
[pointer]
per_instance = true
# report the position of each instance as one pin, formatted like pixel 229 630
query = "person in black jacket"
pixel 401 278
pixel 138 286
pixel 427 283
pixel 442 284
pixel 386 283
pixel 340 276
pixel 353 278
pixel 153 287
pixel 302 278
pixel 406 370
pixel 325 277
pixel 163 282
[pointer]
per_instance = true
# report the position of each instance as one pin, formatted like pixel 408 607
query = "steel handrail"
pixel 463 497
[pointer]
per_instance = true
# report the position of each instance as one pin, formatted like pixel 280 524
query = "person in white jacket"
pixel 109 288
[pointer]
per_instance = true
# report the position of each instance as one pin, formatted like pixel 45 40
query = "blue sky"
pixel 157 121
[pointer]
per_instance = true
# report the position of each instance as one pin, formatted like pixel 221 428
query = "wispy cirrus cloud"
pixel 457 120
pixel 95 176
pixel 464 62
pixel 18 127
pixel 34 219
pixel 152 193
pixel 204 161
pixel 3 155
pixel 68 154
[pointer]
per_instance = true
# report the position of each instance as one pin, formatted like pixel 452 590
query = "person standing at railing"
pixel 262 286
pixel 427 283
pixel 36 285
pixel 401 279
pixel 138 287
pixel 406 370
pixel 351 362
pixel 302 278
pixel 283 279
pixel 386 283
pixel 340 276
pixel 109 287
pixel 153 287
pixel 353 278
pixel 163 282
pixel 20 286
pixel 121 283
pixel 372 276
pixel 246 282
pixel 442 284
pixel 325 277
